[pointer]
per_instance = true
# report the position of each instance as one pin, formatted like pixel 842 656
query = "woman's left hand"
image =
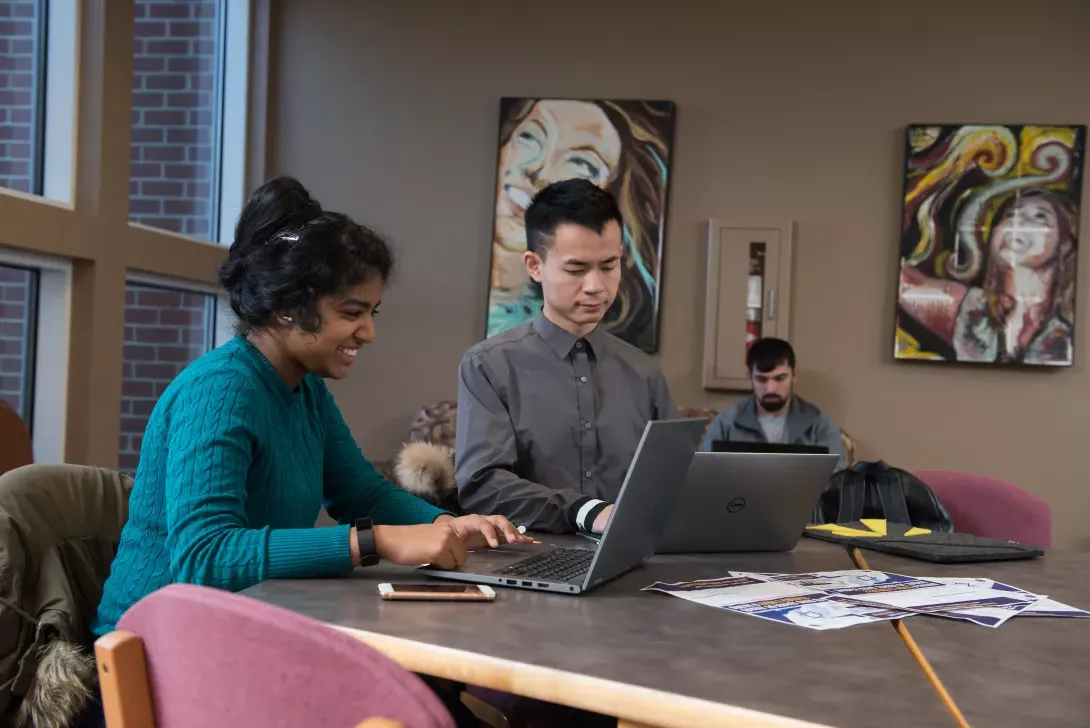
pixel 478 531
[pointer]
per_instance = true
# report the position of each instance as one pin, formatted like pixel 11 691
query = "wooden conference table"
pixel 644 657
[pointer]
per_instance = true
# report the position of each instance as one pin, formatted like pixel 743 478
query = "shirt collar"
pixel 562 341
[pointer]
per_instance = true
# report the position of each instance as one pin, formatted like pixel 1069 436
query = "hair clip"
pixel 289 237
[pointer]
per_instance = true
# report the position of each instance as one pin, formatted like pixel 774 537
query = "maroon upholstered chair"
pixel 194 656
pixel 990 508
pixel 16 449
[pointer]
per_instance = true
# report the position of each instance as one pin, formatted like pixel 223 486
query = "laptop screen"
pixel 767 447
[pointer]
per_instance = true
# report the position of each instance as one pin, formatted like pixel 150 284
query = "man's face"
pixel 773 389
pixel 579 275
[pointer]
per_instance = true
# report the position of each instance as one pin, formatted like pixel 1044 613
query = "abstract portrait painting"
pixel 621 146
pixel 989 244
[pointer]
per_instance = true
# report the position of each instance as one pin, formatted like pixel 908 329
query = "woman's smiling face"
pixel 557 140
pixel 1028 234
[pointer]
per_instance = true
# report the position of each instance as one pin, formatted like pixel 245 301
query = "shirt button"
pixel 588 473
pixel 583 380
pixel 587 425
pixel 579 345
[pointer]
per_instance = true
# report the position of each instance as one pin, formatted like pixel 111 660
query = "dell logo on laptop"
pixel 736 505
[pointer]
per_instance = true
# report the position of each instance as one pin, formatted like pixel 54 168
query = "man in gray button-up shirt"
pixel 551 411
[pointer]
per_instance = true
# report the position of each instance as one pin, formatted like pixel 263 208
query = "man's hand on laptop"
pixel 601 520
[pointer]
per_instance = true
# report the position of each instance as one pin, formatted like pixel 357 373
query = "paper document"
pixel 980 601
pixel 778 601
pixel 1040 606
pixel 835 599
pixel 1050 608
pixel 731 590
pixel 984 604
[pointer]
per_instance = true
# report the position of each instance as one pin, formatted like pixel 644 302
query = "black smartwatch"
pixel 365 539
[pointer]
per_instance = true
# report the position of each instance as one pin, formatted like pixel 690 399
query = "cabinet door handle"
pixel 772 305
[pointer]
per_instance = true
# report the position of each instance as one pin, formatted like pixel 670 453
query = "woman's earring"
pixel 286 319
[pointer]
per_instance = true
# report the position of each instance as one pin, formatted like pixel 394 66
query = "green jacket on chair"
pixel 59 528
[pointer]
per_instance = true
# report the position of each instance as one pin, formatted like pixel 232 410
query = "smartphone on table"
pixel 437 592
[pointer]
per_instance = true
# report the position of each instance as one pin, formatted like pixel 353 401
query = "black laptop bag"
pixel 879 490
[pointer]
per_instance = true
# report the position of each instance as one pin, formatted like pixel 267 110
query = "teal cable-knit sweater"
pixel 234 467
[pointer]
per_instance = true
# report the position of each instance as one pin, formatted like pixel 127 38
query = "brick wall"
pixel 164 331
pixel 19 85
pixel 19 21
pixel 175 104
pixel 14 290
pixel 172 181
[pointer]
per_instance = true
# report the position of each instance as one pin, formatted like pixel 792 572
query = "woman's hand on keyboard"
pixel 476 532
pixel 436 543
pixel 444 543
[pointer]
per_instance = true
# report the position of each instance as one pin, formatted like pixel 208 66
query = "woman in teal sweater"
pixel 247 444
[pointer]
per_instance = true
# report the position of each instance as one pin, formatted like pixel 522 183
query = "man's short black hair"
pixel 570 201
pixel 767 354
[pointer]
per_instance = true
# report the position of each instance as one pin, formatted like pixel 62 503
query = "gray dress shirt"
pixel 548 423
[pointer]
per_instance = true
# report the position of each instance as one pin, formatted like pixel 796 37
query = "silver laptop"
pixel 648 494
pixel 746 502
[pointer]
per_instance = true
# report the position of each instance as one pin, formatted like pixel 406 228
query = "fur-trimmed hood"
pixel 426 470
pixel 62 687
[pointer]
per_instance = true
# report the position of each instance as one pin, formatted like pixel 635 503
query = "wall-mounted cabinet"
pixel 747 297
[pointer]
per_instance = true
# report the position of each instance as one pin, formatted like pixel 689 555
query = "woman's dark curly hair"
pixel 288 253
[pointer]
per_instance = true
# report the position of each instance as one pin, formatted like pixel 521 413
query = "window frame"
pixel 37 170
pixel 29 342
pixel 47 356
pixel 210 319
pixel 59 81
pixel 78 232
pixel 236 118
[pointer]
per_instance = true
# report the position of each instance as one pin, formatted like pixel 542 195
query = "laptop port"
pixel 512 582
pixel 540 584
pixel 527 583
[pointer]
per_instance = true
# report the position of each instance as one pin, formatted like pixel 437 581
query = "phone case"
pixel 480 594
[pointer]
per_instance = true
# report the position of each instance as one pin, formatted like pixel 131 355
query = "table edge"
pixel 645 706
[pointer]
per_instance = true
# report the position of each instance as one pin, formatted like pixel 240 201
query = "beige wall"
pixel 795 110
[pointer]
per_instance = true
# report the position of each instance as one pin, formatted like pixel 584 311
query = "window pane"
pixel 165 330
pixel 177 80
pixel 22 53
pixel 18 306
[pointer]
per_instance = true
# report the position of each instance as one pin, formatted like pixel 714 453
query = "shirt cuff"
pixel 582 513
pixel 308 553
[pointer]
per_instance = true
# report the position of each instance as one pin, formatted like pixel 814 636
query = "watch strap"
pixel 365 540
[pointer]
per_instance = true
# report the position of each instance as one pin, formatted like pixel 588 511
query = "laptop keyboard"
pixel 559 564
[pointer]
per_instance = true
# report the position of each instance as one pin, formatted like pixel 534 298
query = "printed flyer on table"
pixel 836 599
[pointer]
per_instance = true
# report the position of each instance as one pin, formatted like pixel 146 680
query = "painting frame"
pixel 643 133
pixel 990 217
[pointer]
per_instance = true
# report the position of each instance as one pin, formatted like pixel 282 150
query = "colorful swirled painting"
pixel 989 244
pixel 622 146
